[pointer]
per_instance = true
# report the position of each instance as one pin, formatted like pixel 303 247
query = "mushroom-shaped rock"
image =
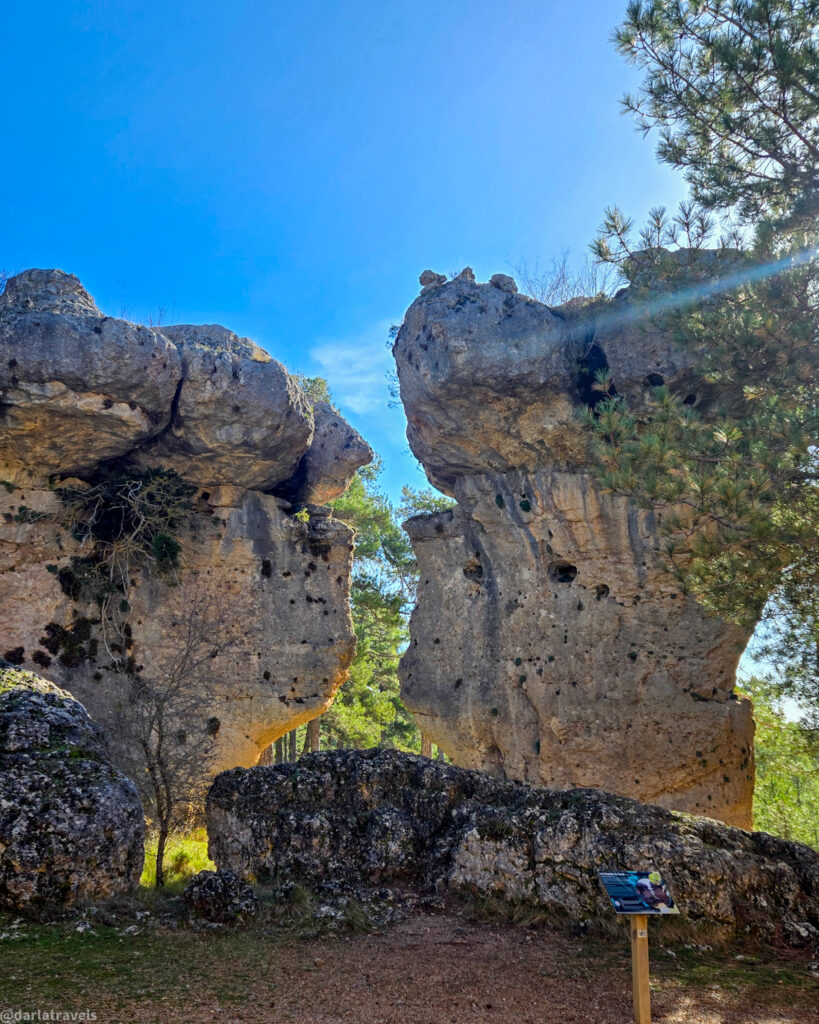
pixel 71 826
pixel 76 387
pixel 239 417
pixel 549 642
pixel 335 453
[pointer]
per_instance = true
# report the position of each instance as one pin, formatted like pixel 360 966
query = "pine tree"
pixel 732 87
pixel 368 710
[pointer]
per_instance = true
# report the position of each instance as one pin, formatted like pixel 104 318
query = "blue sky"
pixel 289 169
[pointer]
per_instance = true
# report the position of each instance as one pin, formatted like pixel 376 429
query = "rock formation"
pixel 71 826
pixel 85 398
pixel 549 644
pixel 374 817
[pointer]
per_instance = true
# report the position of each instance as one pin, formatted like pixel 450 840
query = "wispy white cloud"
pixel 356 369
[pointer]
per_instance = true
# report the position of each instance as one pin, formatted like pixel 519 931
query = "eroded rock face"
pixel 71 826
pixel 278 584
pixel 235 426
pixel 549 644
pixel 373 817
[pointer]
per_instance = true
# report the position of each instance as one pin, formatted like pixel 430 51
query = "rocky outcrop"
pixel 84 397
pixel 374 817
pixel 549 644
pixel 71 827
pixel 76 387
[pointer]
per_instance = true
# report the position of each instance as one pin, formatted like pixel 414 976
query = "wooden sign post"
pixel 639 894
pixel 639 968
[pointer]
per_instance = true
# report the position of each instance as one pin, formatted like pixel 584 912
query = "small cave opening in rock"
pixel 473 570
pixel 654 380
pixel 562 572
pixel 588 364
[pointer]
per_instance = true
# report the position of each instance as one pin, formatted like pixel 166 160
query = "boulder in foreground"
pixel 219 897
pixel 71 826
pixel 377 816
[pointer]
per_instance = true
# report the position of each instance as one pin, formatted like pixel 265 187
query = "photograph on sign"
pixel 638 892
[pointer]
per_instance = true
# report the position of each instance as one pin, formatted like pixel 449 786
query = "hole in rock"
pixel 562 572
pixel 473 570
pixel 589 363
pixel 654 380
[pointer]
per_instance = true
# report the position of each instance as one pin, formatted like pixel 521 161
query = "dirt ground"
pixel 430 969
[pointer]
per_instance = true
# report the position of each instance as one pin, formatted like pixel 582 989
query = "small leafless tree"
pixel 560 281
pixel 165 722
pixel 156 318
pixel 124 523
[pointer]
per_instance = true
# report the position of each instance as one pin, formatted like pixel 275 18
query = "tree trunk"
pixel 426 747
pixel 314 735
pixel 441 755
pixel 280 750
pixel 294 755
pixel 162 839
pixel 266 756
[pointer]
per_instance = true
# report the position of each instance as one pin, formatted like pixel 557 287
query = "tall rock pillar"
pixel 548 643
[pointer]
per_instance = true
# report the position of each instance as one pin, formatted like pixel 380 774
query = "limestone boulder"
pixel 71 825
pixel 375 817
pixel 219 897
pixel 239 418
pixel 76 387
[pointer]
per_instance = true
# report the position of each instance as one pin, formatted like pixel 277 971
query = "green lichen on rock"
pixel 19 679
pixel 374 817
pixel 71 826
